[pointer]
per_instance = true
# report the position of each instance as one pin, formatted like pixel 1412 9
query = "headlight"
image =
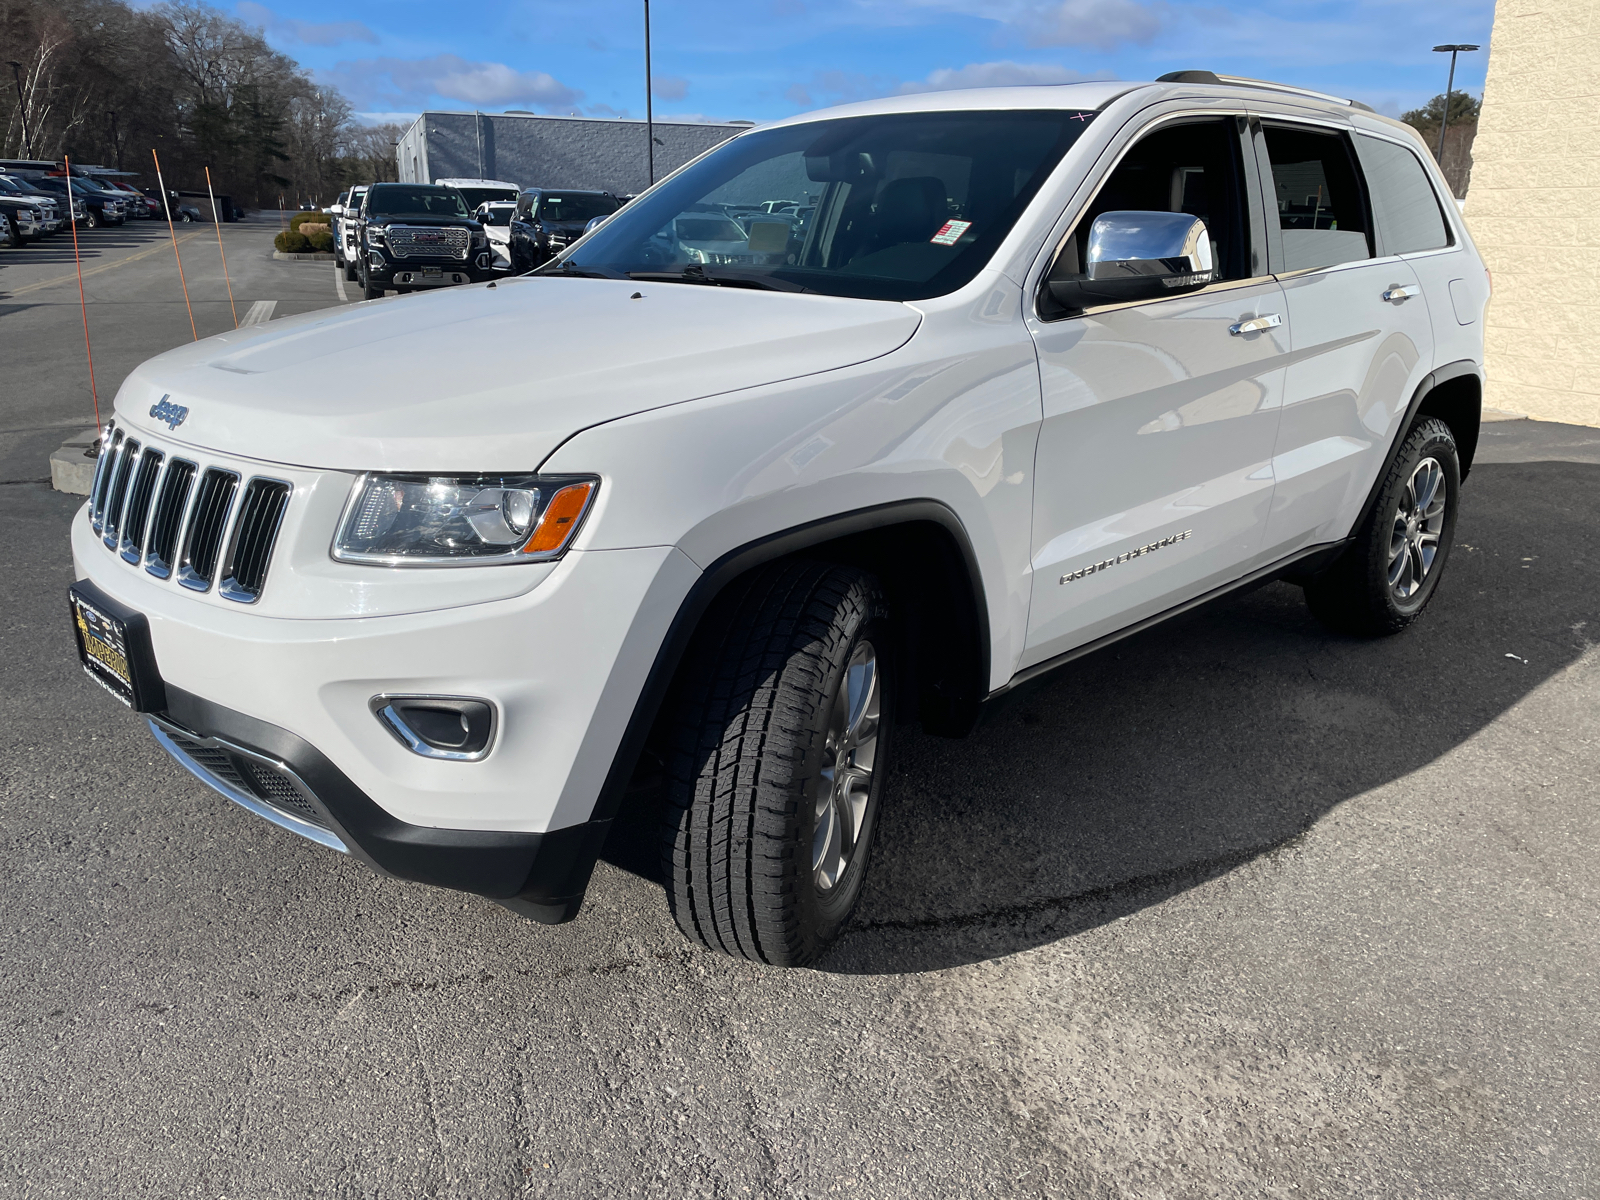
pixel 480 239
pixel 375 234
pixel 452 520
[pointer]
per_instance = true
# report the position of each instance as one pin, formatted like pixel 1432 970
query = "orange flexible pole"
pixel 216 217
pixel 82 302
pixel 162 184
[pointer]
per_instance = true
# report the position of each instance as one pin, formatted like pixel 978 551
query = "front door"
pixel 1154 472
pixel 1362 337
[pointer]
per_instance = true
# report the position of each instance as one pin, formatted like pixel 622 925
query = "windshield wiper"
pixel 563 267
pixel 696 273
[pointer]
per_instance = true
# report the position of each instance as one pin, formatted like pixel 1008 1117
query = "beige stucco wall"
pixel 1534 208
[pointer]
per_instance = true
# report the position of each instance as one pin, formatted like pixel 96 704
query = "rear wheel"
pixel 777 762
pixel 1385 579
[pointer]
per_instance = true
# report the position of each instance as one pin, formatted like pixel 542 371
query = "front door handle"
pixel 1399 292
pixel 1256 324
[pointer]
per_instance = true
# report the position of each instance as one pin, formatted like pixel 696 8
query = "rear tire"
pixel 1391 570
pixel 777 762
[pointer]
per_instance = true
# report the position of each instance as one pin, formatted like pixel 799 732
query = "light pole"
pixel 1444 117
pixel 22 108
pixel 649 111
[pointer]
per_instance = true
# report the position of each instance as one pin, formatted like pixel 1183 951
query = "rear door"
pixel 1362 340
pixel 1154 463
pixel 1413 212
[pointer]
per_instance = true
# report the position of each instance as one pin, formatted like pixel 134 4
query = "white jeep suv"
pixel 1006 376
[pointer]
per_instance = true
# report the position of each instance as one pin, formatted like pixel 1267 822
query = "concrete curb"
pixel 317 256
pixel 72 466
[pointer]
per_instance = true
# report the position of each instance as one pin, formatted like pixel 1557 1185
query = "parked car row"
pixel 408 236
pixel 34 204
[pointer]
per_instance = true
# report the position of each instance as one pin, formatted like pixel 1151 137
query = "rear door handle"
pixel 1399 292
pixel 1256 324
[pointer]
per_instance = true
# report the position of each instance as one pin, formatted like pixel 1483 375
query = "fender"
pixel 745 558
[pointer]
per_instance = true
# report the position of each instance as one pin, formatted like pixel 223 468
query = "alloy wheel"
pixel 1414 538
pixel 843 788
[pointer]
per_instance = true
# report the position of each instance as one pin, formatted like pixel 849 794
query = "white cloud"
pixel 402 82
pixel 305 33
pixel 1100 24
pixel 386 118
pixel 670 87
pixel 992 74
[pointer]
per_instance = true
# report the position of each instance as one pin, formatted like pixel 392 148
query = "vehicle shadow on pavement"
pixel 1178 755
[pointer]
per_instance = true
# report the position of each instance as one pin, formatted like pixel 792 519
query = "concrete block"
pixel 72 466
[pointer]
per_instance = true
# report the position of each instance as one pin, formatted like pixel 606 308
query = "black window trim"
pixel 1250 191
pixel 1345 133
pixel 1444 213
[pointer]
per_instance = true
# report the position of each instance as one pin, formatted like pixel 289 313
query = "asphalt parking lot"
pixel 1237 908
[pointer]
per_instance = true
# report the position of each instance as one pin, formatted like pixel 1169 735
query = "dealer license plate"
pixel 433 272
pixel 110 651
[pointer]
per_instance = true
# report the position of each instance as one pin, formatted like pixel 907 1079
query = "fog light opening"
pixel 452 728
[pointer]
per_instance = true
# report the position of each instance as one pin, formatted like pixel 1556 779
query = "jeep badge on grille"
pixel 172 414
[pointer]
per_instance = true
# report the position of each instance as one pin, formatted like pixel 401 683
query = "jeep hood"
pixel 491 378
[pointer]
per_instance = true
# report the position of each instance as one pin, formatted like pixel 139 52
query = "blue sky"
pixel 762 59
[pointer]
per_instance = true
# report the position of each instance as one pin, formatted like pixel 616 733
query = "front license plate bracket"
pixel 114 648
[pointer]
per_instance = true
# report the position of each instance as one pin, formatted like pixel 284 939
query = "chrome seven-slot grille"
pixel 184 521
pixel 425 241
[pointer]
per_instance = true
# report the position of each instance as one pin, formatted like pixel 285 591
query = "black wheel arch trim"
pixel 737 562
pixel 1466 440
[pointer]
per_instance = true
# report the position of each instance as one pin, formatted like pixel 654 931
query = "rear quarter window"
pixel 1404 203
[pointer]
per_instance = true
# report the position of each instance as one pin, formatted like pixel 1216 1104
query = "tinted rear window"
pixel 1403 201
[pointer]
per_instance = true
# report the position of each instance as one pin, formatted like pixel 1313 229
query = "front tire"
pixel 1391 570
pixel 777 762
pixel 368 292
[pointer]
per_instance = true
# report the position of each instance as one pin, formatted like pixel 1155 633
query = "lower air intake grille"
pixel 244 774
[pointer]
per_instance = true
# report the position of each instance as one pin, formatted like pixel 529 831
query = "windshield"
pixel 402 200
pixel 475 196
pixel 895 207
pixel 558 206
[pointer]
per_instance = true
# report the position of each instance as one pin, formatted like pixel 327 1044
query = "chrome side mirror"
pixel 1137 256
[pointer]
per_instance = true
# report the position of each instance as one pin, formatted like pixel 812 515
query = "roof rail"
pixel 1265 84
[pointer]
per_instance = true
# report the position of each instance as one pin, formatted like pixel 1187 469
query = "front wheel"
pixel 777 762
pixel 368 292
pixel 1391 570
pixel 93 220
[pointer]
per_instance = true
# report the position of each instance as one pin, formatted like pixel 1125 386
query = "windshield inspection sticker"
pixel 950 233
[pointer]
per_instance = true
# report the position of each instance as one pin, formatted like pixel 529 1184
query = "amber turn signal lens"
pixel 560 519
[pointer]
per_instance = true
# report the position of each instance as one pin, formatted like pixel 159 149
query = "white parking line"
pixel 260 313
pixel 338 281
